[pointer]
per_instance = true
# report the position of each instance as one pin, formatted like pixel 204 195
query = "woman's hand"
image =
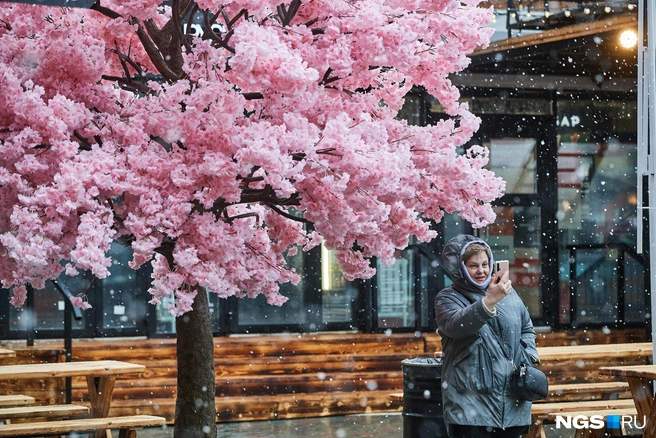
pixel 499 289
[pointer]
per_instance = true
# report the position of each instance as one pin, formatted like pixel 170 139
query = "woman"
pixel 475 316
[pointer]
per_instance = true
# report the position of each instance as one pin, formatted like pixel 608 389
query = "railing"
pixel 606 285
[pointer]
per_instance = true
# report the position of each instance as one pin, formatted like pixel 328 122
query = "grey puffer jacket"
pixel 475 369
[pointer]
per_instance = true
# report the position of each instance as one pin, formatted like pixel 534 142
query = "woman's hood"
pixel 455 268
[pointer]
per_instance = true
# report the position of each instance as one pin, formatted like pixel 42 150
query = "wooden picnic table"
pixel 639 378
pixel 592 351
pixel 100 375
pixel 5 352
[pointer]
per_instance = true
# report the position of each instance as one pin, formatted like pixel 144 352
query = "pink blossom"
pixel 205 172
pixel 80 302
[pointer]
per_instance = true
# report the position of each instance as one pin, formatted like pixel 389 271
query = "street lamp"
pixel 628 39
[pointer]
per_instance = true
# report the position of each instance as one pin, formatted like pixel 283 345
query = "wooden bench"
pixel 50 411
pixel 127 426
pixel 587 391
pixel 541 411
pixel 16 400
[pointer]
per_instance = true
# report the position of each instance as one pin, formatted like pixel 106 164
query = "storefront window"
pixel 48 313
pixel 338 295
pixel 515 236
pixel 513 159
pixel 597 211
pixel 123 307
pixel 396 292
pixel 256 311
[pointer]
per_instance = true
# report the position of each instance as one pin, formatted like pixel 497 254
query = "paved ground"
pixel 349 426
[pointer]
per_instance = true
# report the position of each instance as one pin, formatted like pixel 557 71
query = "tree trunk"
pixel 195 408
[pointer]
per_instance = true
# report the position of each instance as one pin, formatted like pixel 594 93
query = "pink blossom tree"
pixel 208 153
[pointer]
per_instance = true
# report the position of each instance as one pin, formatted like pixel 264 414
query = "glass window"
pixel 338 295
pixel 513 159
pixel 165 321
pixel 411 109
pixel 256 311
pixel 597 211
pixel 124 306
pixel 515 236
pixel 48 312
pixel 596 172
pixel 634 290
pixel 396 292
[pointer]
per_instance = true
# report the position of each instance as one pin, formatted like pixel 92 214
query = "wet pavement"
pixel 348 426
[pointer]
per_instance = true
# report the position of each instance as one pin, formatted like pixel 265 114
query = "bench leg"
pixel 127 433
pixel 100 396
pixel 537 428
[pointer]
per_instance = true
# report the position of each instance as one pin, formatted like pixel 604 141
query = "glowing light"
pixel 607 9
pixel 629 39
pixel 567 13
pixel 547 14
pixel 631 6
pixel 587 11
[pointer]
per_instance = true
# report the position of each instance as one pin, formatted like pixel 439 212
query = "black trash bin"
pixel 422 398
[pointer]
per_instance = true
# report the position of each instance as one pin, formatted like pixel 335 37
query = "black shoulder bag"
pixel 526 381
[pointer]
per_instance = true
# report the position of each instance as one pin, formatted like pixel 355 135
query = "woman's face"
pixel 478 267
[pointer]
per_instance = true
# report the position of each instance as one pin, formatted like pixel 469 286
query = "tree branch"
pixel 285 214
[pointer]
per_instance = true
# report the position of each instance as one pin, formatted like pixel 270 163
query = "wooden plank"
pixel 581 352
pixel 68 369
pixel 576 388
pixel 587 391
pixel 51 411
pixel 16 400
pixel 84 425
pixel 5 353
pixel 640 371
pixel 544 409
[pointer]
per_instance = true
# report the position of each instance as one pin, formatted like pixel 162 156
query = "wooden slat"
pixel 547 408
pixel 85 425
pixel 68 369
pixel 51 411
pixel 16 400
pixel 5 352
pixel 587 391
pixel 582 352
pixel 611 387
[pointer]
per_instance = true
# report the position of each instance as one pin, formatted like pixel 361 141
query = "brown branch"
pixel 253 96
pixel 105 10
pixel 85 145
pixel 156 56
pixel 287 15
pixel 285 214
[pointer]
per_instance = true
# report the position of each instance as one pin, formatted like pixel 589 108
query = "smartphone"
pixel 501 267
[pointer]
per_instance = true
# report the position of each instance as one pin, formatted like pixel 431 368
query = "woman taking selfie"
pixel 484 325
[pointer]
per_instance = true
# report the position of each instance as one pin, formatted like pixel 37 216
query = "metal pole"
pixel 68 343
pixel 647 133
pixel 29 317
